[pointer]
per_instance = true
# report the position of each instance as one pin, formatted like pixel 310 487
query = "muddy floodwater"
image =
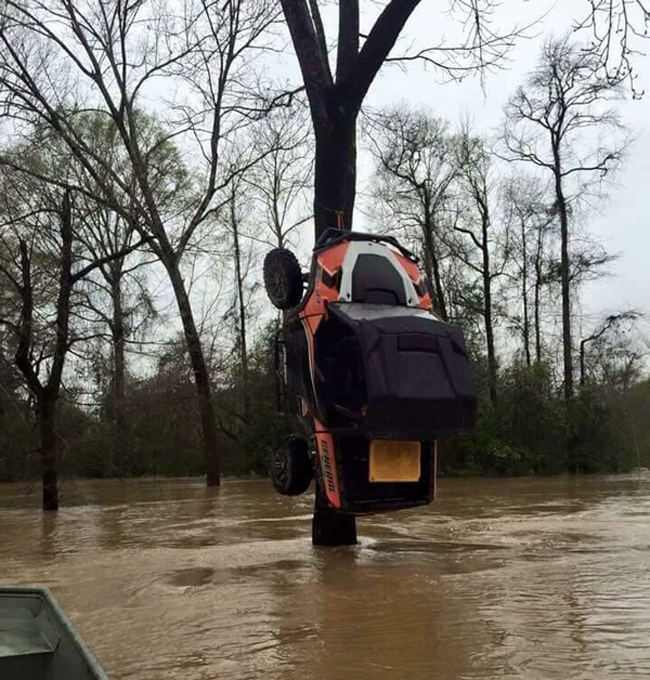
pixel 532 578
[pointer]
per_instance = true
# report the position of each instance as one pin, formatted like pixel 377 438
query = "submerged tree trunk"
pixel 46 419
pixel 335 104
pixel 46 395
pixel 567 349
pixel 48 399
pixel 334 195
pixel 200 370
pixel 329 527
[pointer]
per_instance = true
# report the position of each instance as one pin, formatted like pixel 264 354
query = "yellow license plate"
pixel 394 461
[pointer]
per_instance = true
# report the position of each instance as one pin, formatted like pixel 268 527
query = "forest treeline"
pixel 526 434
pixel 147 164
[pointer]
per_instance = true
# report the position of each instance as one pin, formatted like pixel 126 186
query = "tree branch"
pixel 348 47
pixel 315 72
pixel 320 33
pixel 23 350
pixel 377 47
pixel 109 258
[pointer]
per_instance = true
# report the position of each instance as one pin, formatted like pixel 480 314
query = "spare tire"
pixel 282 278
pixel 290 467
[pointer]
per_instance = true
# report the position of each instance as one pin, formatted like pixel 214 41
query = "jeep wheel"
pixel 282 278
pixel 290 467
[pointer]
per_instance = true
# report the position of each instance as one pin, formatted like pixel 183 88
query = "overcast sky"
pixel 621 222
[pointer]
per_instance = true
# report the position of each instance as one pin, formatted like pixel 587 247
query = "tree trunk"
pixel 335 174
pixel 200 370
pixel 331 528
pixel 427 265
pixel 432 269
pixel 582 363
pixel 46 419
pixel 334 108
pixel 565 278
pixel 242 310
pixel 48 396
pixel 118 333
pixel 489 324
pixel 537 300
pixel 440 294
pixel 524 294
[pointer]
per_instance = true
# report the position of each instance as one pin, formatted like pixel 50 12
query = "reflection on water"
pixel 535 578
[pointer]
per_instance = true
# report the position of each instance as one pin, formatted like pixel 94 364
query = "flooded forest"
pixel 148 162
pixel 152 153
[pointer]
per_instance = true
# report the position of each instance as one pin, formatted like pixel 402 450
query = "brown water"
pixel 535 578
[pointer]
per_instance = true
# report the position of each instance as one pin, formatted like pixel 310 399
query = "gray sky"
pixel 621 222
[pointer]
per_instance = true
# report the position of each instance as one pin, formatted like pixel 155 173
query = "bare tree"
pixel 282 178
pixel 56 59
pixel 241 271
pixel 417 167
pixel 475 220
pixel 552 122
pixel 44 264
pixel 335 97
pixel 118 297
pixel 617 29
pixel 525 205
